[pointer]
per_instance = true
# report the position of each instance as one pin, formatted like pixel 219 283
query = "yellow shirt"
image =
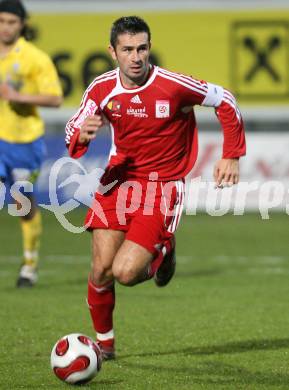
pixel 30 71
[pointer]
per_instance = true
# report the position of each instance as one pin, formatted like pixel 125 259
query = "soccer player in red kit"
pixel 154 146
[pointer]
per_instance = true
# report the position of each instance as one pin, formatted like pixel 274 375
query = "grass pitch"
pixel 222 323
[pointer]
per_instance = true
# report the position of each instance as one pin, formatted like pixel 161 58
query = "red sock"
pixel 157 261
pixel 101 301
pixel 154 265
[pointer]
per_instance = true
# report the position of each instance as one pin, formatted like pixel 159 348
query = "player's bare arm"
pixel 7 92
pixel 90 128
pixel 226 172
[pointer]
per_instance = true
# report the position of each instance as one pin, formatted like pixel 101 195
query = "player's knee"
pixel 125 275
pixel 99 272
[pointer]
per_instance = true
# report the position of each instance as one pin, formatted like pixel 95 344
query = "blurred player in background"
pixel 27 79
pixel 154 146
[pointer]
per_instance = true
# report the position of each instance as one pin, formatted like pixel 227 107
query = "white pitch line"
pixel 4 274
pixel 185 259
pixel 245 259
pixel 60 259
pixel 181 258
pixel 269 270
pixel 67 258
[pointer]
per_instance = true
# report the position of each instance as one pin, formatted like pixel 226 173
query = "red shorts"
pixel 147 211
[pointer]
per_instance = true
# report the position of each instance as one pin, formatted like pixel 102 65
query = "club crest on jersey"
pixel 114 106
pixel 162 108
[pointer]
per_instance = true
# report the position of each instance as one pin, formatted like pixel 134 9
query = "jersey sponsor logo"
pixel 136 100
pixel 162 108
pixel 137 112
pixel 89 109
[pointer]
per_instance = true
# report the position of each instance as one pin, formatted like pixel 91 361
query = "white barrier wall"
pixel 264 178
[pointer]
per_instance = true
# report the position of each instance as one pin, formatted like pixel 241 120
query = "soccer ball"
pixel 76 359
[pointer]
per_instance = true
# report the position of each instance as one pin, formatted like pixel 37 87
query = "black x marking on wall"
pixel 262 57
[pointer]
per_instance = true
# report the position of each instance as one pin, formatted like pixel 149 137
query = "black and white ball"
pixel 76 359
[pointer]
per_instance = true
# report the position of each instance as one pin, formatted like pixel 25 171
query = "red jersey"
pixel 153 127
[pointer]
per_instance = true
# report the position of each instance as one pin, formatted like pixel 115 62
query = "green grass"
pixel 222 323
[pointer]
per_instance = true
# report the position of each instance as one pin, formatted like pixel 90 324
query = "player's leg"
pixel 27 159
pixel 101 294
pixel 149 248
pixel 164 266
pixel 131 263
pixel 135 264
pixel 31 228
pixel 146 246
pixel 21 163
pixel 173 195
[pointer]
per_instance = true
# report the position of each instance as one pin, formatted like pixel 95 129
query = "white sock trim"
pixel 31 255
pixel 105 336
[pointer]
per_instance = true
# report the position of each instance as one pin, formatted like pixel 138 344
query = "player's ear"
pixel 112 52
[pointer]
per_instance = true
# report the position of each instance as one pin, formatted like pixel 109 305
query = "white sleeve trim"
pixel 214 96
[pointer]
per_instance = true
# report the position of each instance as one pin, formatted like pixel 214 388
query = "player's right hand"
pixel 8 93
pixel 89 128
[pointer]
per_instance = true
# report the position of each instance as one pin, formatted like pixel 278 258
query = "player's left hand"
pixel 226 172
pixel 8 93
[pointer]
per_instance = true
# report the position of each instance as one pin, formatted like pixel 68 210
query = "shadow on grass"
pixel 94 384
pixel 228 348
pixel 106 383
pixel 212 373
pixel 215 373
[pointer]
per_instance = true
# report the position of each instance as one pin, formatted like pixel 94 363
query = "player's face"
pixel 132 54
pixel 10 28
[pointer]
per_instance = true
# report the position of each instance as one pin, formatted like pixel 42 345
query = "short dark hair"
pixel 14 7
pixel 128 24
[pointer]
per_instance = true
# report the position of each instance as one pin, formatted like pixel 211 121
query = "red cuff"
pixel 75 149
